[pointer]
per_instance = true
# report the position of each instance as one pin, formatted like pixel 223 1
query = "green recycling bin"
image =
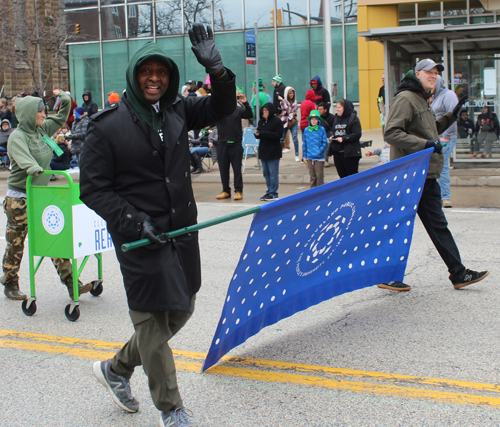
pixel 61 226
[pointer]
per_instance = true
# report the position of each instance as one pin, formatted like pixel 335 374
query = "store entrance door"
pixel 475 68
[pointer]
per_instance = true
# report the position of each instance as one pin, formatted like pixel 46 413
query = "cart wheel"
pixel 74 315
pixel 31 310
pixel 97 290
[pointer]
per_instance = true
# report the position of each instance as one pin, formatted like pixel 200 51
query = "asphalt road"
pixel 427 357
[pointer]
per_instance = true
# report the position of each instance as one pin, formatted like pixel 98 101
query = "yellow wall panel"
pixel 371 60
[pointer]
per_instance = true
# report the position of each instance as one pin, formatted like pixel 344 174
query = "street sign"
pixel 251 51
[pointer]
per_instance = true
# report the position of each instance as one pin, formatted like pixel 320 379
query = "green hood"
pixel 410 77
pixel 134 95
pixel 26 111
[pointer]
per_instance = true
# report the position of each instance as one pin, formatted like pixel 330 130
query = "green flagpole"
pixel 144 242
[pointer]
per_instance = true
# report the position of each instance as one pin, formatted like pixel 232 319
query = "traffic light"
pixel 77 28
pixel 279 20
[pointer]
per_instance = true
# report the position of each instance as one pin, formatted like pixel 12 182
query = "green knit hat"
pixel 278 78
pixel 261 83
pixel 315 114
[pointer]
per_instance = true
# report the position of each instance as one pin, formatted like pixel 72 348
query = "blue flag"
pixel 346 235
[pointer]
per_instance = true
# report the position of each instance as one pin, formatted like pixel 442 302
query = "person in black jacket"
pixel 135 175
pixel 230 149
pixel 487 130
pixel 78 132
pixel 465 126
pixel 269 132
pixel 279 90
pixel 344 145
pixel 62 162
pixel 327 122
pixel 90 106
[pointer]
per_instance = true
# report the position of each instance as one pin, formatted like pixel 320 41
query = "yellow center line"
pixel 103 350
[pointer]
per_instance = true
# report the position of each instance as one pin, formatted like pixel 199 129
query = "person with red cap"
pixel 320 93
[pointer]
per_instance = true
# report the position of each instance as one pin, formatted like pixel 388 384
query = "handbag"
pixel 291 123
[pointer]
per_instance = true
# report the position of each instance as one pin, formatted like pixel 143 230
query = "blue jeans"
pixel 444 180
pixel 200 150
pixel 58 166
pixel 270 168
pixel 294 131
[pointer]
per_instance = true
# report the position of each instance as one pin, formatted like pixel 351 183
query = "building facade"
pixel 463 35
pixel 290 41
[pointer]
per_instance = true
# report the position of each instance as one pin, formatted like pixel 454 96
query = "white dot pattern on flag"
pixel 321 246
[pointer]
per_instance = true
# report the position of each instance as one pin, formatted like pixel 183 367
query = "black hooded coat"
pixel 90 106
pixel 128 172
pixel 270 133
pixel 348 127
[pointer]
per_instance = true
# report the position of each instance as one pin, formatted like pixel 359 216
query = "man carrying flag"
pixel 135 175
pixel 411 127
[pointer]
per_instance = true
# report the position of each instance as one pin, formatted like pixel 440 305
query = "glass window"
pixel 75 4
pixel 476 7
pixel 140 20
pixel 227 15
pixel 292 12
pixel 84 24
pixel 429 10
pixel 115 58
pixel 260 11
pixel 406 11
pixel 455 8
pixel 337 62
pixel 351 58
pixel 317 52
pixel 197 11
pixel 175 49
pixel 455 21
pixel 350 10
pixel 316 12
pixel 168 18
pixel 232 48
pixel 85 71
pixel 294 59
pixel 113 22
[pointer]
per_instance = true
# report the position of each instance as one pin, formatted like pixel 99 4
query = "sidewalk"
pixel 292 172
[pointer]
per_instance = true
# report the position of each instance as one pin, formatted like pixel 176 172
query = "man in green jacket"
pixel 410 127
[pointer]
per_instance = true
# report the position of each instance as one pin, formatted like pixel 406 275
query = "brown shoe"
pixel 238 196
pixel 327 165
pixel 223 195
pixel 82 289
pixel 13 292
pixel 447 203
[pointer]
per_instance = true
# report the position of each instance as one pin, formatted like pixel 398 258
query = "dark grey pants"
pixel 432 216
pixel 149 347
pixel 230 155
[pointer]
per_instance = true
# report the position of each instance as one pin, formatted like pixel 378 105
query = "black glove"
pixel 148 231
pixel 463 99
pixel 70 136
pixel 438 148
pixel 204 48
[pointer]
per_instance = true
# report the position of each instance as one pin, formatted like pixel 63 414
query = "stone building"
pixel 33 37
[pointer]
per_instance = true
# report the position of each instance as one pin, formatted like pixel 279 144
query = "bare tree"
pixel 168 15
pixel 33 37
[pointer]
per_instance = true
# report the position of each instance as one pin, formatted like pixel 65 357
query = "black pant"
pixel 432 216
pixel 230 154
pixel 345 165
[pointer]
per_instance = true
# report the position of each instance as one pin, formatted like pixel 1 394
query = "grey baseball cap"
pixel 427 65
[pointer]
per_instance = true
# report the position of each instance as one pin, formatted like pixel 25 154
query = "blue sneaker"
pixel 178 417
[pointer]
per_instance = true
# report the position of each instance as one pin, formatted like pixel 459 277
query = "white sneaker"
pixel 297 159
pixel 286 150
